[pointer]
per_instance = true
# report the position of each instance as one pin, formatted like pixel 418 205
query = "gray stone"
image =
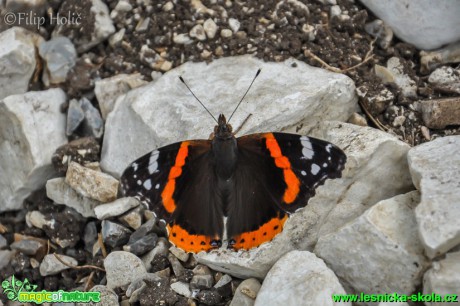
pixel 210 28
pixel 143 245
pixel 446 78
pixel 201 282
pixel 31 129
pixel 432 24
pixel 3 242
pixel 5 258
pixel 26 246
pixel 75 116
pixel 161 249
pixel 182 288
pixel 60 56
pixel 115 208
pixel 246 293
pixel 51 265
pixel 234 24
pixel 394 73
pixel 435 174
pixel 93 123
pixel 443 278
pixel 133 218
pixel 313 95
pixel 92 184
pixel 148 227
pixel 198 32
pixel 61 193
pixel 179 253
pixel 395 263
pixel 122 268
pixel 108 90
pixel 136 287
pixel 299 278
pixel 433 59
pixel 17 60
pixel 90 235
pixel 114 234
pixel 439 113
pixel 177 267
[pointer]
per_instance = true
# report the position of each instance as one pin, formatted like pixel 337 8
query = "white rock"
pixel 435 172
pixel 402 80
pixel 108 296
pixel 210 28
pixel 60 56
pixel 182 39
pixel 336 203
pixel 335 11
pixel 37 219
pixel 299 278
pixel 181 288
pixel 91 183
pixel 61 193
pixel 429 60
pixel 246 293
pixel 432 27
pixel 145 111
pixel 108 90
pixel 17 60
pixel 446 78
pixel 234 24
pixel 51 265
pixel 122 268
pixel 32 127
pixel 443 279
pixel 115 208
pixel 226 33
pixel 198 32
pixel 379 252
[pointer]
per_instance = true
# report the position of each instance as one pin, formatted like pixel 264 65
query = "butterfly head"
pixel 223 130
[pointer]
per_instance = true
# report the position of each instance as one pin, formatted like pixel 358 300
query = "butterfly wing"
pixel 277 173
pixel 177 182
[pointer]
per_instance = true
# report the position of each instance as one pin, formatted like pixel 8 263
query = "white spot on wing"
pixel 315 169
pixel 307 150
pixel 324 165
pixel 134 165
pixel 157 186
pixel 303 173
pixel 328 148
pixel 153 167
pixel 139 182
pixel 148 184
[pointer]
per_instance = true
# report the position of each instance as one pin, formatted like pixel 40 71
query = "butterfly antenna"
pixel 255 77
pixel 182 80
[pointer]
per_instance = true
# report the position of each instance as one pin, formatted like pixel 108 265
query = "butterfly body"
pixel 231 191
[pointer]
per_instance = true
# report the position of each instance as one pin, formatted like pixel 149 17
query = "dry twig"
pixel 77 267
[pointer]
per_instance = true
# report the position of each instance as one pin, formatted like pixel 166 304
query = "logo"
pixel 24 292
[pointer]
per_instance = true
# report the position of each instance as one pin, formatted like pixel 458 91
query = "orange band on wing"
pixel 263 234
pixel 176 170
pixel 281 161
pixel 188 242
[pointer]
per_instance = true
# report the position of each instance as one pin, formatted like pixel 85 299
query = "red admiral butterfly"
pixel 227 189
